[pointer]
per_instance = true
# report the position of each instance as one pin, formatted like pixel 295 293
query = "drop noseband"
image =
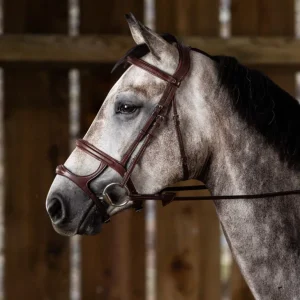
pixel 144 137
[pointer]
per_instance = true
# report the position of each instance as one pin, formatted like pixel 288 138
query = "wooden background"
pixel 36 54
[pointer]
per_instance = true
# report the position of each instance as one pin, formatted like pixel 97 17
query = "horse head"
pixel 120 133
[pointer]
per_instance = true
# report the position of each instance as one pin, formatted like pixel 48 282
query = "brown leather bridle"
pixel 125 167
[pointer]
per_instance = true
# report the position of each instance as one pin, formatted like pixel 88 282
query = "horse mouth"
pixel 91 223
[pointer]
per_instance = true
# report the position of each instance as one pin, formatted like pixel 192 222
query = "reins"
pixel 170 192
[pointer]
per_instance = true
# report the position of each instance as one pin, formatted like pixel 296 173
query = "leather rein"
pixel 125 167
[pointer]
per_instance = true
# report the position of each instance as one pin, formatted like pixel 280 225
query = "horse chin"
pixel 90 222
pixel 63 231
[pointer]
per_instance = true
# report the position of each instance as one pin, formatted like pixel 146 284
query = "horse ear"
pixel 143 35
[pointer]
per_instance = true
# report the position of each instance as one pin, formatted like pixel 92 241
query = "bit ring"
pixel 108 199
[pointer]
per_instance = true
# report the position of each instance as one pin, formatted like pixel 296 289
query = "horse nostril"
pixel 56 211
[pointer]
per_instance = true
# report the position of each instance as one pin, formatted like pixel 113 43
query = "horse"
pixel 178 113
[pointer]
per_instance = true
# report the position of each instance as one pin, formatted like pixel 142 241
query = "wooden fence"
pixel 36 54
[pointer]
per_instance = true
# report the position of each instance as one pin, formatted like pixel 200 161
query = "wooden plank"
pixel 188 238
pixel 108 18
pixel 239 288
pixel 113 263
pixel 89 50
pixel 263 18
pixel 260 18
pixel 36 140
pixel 188 251
pixel 188 17
pixel 267 18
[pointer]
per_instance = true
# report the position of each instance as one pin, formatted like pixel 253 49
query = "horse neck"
pixel 244 163
pixel 264 233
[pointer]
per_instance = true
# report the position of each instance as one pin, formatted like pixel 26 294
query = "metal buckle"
pixel 108 199
pixel 160 118
pixel 176 82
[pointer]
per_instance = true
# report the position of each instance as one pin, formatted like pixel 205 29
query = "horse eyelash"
pixel 132 105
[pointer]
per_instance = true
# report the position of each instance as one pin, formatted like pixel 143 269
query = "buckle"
pixel 176 82
pixel 160 117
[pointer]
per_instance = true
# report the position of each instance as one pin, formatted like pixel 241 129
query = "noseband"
pixel 125 167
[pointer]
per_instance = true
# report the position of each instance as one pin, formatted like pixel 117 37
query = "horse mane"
pixel 265 106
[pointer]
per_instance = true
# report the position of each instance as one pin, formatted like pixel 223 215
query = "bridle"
pixel 144 137
pixel 126 166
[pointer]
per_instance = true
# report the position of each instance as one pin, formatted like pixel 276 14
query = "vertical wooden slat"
pixel 263 18
pixel 36 140
pixel 267 18
pixel 113 263
pixel 188 252
pixel 188 237
pixel 239 288
pixel 188 17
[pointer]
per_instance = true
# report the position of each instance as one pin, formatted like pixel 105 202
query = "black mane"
pixel 263 105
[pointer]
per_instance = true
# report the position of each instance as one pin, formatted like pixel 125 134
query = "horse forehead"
pixel 140 83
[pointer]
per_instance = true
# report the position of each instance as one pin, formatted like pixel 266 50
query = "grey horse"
pixel 241 135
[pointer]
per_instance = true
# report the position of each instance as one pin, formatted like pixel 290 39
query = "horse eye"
pixel 124 108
